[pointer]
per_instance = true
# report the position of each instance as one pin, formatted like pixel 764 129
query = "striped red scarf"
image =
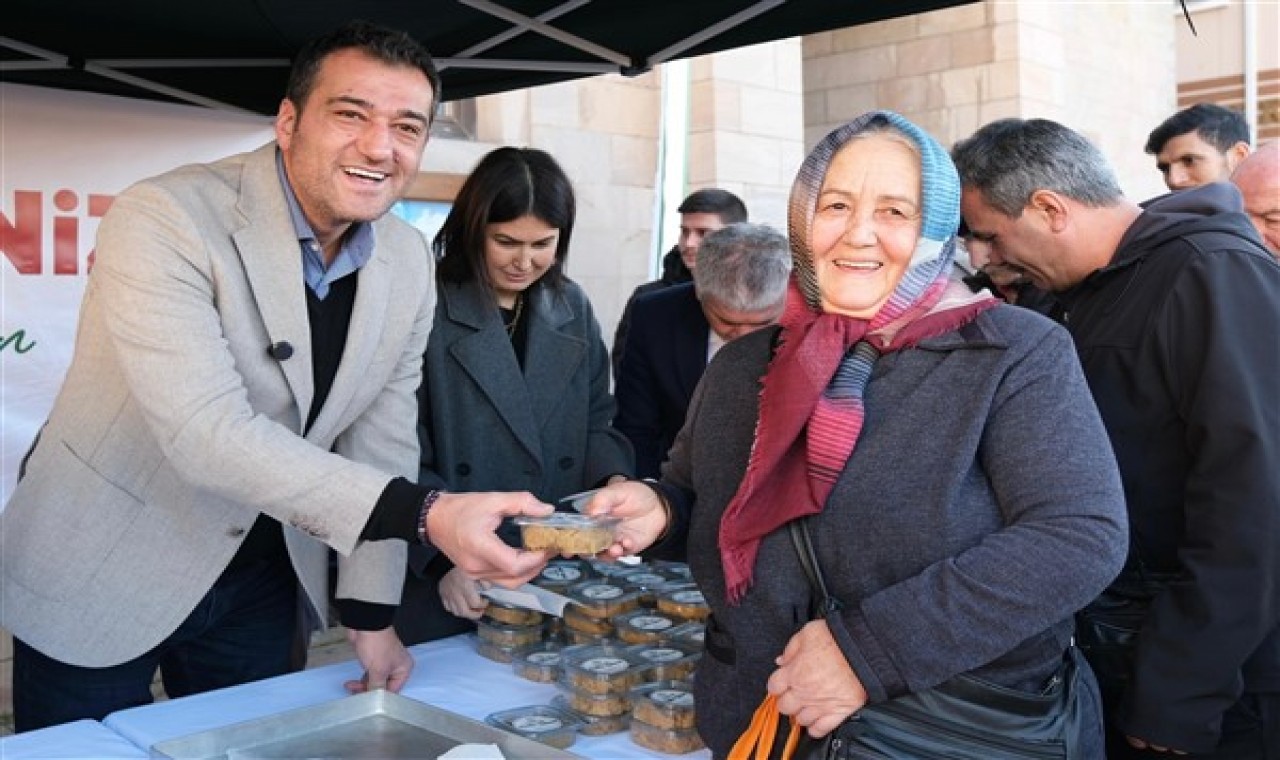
pixel 811 404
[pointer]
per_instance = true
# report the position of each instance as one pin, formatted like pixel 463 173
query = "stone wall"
pixel 744 134
pixel 1105 69
pixel 746 125
pixel 1211 60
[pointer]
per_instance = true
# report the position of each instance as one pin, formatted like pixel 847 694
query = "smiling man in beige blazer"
pixel 242 398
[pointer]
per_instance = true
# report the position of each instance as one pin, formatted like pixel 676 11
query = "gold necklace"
pixel 515 318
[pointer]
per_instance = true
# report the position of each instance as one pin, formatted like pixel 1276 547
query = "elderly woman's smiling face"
pixel 866 224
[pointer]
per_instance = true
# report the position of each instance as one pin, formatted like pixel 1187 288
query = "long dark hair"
pixel 507 184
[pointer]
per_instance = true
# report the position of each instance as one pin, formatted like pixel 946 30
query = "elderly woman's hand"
pixel 814 682
pixel 644 517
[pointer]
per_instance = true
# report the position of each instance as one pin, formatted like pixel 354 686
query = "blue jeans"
pixel 242 630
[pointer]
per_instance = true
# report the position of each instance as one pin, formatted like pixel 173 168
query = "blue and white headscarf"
pixel 811 405
pixel 940 215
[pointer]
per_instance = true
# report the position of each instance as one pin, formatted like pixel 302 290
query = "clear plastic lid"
pixel 540 662
pixel 643 625
pixel 561 573
pixel 507 635
pixel 668 660
pixel 684 601
pixel 665 704
pixel 567 533
pixel 643 578
pixel 511 614
pixel 603 598
pixel 602 668
pixel 594 725
pixel 596 704
pixel 676 571
pixel 692 633
pixel 669 696
pixel 542 723
pixel 611 569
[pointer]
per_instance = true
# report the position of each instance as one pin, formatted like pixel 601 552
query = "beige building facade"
pixel 1234 50
pixel 1106 69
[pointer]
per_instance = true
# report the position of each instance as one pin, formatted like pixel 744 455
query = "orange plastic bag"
pixel 756 742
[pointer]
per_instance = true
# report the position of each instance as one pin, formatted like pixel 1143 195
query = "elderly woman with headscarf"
pixel 942 448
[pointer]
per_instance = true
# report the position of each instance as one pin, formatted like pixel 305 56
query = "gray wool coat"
pixel 485 424
pixel 980 509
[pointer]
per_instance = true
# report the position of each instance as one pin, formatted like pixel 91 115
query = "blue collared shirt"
pixel 356 250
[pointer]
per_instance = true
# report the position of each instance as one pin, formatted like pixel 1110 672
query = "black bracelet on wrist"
pixel 428 502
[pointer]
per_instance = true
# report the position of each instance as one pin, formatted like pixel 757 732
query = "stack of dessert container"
pixel 505 629
pixel 595 682
pixel 589 620
pixel 623 655
pixel 663 717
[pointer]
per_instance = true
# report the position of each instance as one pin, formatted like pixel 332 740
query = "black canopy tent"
pixel 234 54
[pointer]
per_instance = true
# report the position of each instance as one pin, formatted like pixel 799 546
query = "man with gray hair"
pixel 1173 306
pixel 740 285
pixel 702 212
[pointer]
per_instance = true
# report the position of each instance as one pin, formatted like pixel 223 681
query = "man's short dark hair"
pixel 713 200
pixel 390 46
pixel 1218 126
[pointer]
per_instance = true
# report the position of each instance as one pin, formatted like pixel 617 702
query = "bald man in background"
pixel 1258 178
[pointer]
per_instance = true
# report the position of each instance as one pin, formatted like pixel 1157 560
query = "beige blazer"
pixel 174 427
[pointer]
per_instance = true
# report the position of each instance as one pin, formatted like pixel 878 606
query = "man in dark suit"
pixel 740 286
pixel 701 213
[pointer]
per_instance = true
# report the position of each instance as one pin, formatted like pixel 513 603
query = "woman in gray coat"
pixel 943 450
pixel 515 393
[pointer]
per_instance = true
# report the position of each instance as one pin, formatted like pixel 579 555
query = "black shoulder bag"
pixel 1107 629
pixel 965 718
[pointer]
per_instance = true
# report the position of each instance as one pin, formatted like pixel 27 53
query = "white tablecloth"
pixel 449 674
pixel 81 739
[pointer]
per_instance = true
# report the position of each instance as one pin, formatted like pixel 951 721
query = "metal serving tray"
pixel 371 726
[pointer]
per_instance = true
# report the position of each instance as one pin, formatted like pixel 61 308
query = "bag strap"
pixel 826 603
pixel 756 743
